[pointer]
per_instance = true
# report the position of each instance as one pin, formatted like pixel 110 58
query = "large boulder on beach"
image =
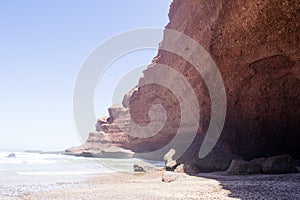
pixel 217 160
pixel 191 169
pixel 242 167
pixel 282 164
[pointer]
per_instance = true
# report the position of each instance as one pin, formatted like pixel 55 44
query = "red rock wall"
pixel 256 46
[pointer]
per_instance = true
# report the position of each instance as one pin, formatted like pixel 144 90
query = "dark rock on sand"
pixel 11 155
pixel 143 166
pixel 258 161
pixel 191 169
pixel 137 168
pixel 218 159
pixel 282 164
pixel 242 167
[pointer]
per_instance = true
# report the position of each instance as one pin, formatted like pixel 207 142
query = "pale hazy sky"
pixel 42 46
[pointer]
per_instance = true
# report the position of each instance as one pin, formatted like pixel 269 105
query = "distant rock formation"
pixel 256 47
pixel 98 146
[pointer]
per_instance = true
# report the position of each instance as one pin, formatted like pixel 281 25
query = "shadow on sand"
pixel 284 186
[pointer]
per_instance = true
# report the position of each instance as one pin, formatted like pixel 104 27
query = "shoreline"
pixel 149 185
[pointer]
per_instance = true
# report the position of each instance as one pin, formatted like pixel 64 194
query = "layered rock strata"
pixel 256 47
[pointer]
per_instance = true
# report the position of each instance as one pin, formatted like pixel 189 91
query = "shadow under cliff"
pixel 284 186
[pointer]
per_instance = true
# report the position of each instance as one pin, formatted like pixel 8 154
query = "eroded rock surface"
pixel 256 47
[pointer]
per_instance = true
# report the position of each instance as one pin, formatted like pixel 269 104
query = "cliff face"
pixel 256 47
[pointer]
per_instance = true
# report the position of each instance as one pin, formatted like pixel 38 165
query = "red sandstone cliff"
pixel 256 47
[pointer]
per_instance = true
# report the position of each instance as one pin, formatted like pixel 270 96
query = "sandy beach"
pixel 203 186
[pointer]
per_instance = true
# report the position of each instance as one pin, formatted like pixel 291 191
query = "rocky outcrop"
pixel 99 146
pixel 255 45
pixel 283 164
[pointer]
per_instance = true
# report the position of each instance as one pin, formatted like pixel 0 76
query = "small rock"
pixel 11 155
pixel 170 163
pixel 169 176
pixel 138 168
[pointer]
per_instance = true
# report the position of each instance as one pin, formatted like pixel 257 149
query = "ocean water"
pixel 29 172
